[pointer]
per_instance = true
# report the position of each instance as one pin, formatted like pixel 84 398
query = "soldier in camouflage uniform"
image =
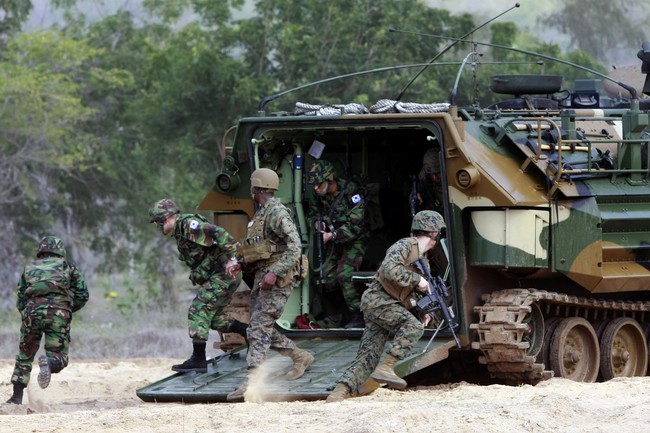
pixel 387 305
pixel 346 228
pixel 207 250
pixel 272 251
pixel 50 289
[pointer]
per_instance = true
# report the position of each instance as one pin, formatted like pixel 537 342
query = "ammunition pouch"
pixel 304 267
pixel 252 252
pixel 300 270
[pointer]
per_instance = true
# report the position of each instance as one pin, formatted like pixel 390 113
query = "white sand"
pixel 93 397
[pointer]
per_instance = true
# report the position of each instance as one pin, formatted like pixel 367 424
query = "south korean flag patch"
pixel 194 224
pixel 356 199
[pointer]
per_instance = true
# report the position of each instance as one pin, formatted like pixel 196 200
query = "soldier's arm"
pixel 20 293
pixel 215 235
pixel 207 234
pixel 281 224
pixel 395 265
pixel 79 289
pixel 354 225
pixel 226 242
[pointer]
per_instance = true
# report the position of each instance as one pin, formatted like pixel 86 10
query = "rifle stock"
pixel 436 300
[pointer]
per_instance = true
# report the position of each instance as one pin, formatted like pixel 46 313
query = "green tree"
pixel 343 37
pixel 46 156
pixel 168 120
pixel 12 14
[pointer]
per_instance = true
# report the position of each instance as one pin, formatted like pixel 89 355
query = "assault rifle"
pixel 413 195
pixel 320 245
pixel 436 300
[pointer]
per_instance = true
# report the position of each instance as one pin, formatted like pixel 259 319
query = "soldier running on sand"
pixel 50 289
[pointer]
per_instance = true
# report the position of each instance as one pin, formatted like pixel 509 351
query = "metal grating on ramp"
pixel 227 371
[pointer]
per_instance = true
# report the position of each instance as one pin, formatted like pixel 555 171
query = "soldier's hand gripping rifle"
pixel 436 300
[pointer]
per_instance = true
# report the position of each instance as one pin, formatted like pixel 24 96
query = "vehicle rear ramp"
pixel 333 355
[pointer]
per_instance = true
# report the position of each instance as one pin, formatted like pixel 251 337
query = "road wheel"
pixel 534 335
pixel 549 327
pixel 574 350
pixel 623 349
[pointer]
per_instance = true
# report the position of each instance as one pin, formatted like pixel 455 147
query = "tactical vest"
pixel 255 248
pixel 403 294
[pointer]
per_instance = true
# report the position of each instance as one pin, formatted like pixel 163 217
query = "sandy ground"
pixel 100 397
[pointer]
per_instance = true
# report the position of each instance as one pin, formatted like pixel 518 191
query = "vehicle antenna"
pixel 448 47
pixel 627 87
pixel 264 101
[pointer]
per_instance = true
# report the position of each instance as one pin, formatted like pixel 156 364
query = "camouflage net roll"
pixel 389 106
pixel 329 110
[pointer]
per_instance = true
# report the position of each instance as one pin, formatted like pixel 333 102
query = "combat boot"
pixel 17 398
pixel 55 365
pixel 356 320
pixel 238 394
pixel 385 373
pixel 196 362
pixel 45 373
pixel 240 328
pixel 301 360
pixel 341 392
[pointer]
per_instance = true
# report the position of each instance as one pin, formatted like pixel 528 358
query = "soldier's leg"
pixel 407 330
pixel 224 289
pixel 266 307
pixel 350 262
pixel 57 345
pixel 199 320
pixel 329 268
pixel 206 309
pixel 371 346
pixel 57 339
pixel 330 295
pixel 30 339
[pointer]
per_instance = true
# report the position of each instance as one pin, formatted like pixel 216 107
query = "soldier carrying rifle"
pixel 388 305
pixel 345 228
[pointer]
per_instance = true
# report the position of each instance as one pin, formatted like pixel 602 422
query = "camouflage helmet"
pixel 265 178
pixel 162 210
pixel 427 221
pixel 319 172
pixel 51 244
pixel 431 162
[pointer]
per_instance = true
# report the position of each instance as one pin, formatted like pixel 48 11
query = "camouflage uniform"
pixel 430 190
pixel 385 315
pixel 50 289
pixel 266 306
pixel 205 248
pixel 345 215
